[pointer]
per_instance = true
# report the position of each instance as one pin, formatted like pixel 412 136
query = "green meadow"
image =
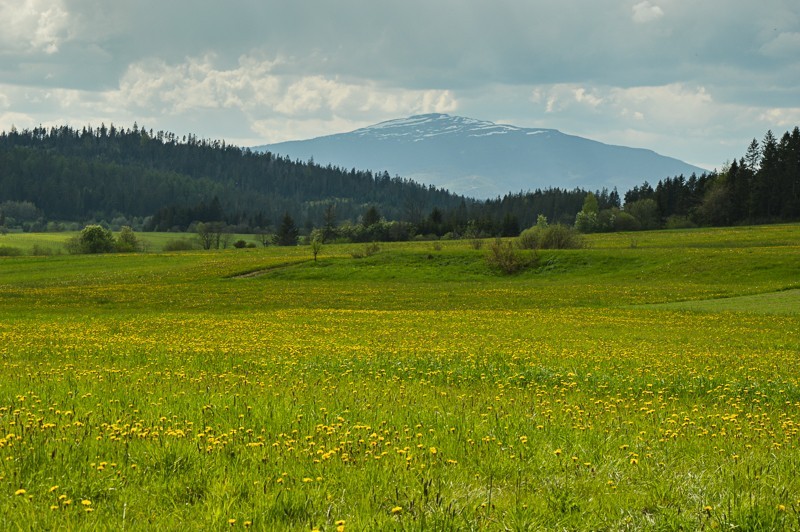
pixel 647 381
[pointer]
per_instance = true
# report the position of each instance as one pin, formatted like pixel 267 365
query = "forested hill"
pixel 100 173
pixel 160 182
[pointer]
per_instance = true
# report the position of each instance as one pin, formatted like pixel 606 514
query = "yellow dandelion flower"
pixel 20 492
pixel 557 452
pixel 86 502
pixel 434 450
pixel 54 488
pixel 231 521
pixel 397 509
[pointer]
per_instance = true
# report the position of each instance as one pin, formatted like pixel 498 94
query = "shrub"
pixel 8 251
pixel 93 239
pixel 506 257
pixel 182 244
pixel 529 238
pixel 368 251
pixel 239 244
pixel 559 236
pixel 127 241
pixel 41 251
pixel 555 236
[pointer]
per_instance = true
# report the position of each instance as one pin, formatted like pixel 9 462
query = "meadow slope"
pixel 650 380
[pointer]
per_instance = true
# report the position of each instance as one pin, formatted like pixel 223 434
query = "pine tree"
pixel 287 232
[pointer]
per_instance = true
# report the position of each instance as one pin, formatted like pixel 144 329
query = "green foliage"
pixel 9 251
pixel 92 239
pixel 287 232
pixel 645 211
pixel 505 257
pixel 367 251
pixel 371 217
pixel 179 244
pixel 556 236
pixel 127 242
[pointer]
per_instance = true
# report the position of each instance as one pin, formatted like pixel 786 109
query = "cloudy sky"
pixel 696 80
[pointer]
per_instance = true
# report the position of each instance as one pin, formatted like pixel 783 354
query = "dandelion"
pixel 231 522
pixel 54 488
pixel 434 450
pixel 86 502
pixel 397 509
pixel 20 492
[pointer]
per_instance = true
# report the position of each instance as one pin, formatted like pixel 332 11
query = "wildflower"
pixel 86 502
pixel 231 522
pixel 557 452
pixel 20 492
pixel 54 488
pixel 433 450
pixel 397 509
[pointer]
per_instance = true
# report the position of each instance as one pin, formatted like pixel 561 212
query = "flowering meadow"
pixel 648 381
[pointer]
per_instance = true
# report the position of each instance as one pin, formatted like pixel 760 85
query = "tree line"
pixel 157 181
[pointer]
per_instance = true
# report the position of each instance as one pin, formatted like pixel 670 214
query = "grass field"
pixel 648 381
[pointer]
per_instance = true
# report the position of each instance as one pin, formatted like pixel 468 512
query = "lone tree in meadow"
pixel 287 232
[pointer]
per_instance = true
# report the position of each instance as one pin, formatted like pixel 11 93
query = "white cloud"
pixel 646 12
pixel 33 25
pixel 782 117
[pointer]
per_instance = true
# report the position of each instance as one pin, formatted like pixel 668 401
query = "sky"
pixel 696 80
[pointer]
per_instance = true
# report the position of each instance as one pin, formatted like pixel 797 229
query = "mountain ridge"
pixel 484 159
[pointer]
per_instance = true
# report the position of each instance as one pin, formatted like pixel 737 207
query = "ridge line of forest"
pixel 157 181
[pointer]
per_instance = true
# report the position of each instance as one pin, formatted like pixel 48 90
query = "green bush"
pixel 8 251
pixel 559 236
pixel 505 257
pixel 554 236
pixel 181 244
pixel 127 241
pixel 93 239
pixel 41 251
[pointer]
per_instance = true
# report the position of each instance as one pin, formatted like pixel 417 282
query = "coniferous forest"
pixel 53 178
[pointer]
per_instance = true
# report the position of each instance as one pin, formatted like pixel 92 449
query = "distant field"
pixel 54 242
pixel 649 381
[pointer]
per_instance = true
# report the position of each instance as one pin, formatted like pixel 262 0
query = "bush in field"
pixel 507 258
pixel 559 236
pixel 41 251
pixel 127 242
pixel 93 239
pixel 181 244
pixel 8 251
pixel 368 251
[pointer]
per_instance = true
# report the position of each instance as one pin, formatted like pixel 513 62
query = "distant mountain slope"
pixel 483 159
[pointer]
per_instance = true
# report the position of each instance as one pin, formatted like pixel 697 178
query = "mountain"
pixel 483 159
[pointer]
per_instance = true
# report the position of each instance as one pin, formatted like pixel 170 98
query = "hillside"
pixel 107 172
pixel 483 159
